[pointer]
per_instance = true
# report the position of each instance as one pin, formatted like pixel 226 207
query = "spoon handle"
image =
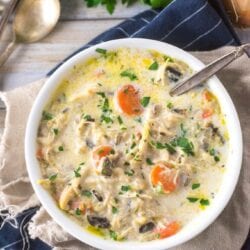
pixel 208 71
pixel 7 52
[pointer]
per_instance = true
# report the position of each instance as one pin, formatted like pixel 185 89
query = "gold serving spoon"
pixel 34 20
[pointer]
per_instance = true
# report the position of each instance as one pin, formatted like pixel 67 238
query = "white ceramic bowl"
pixel 204 219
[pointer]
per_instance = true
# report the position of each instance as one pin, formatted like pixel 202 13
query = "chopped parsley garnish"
pixel 86 193
pixel 129 172
pixel 82 163
pixel 53 177
pixel 106 111
pixel 196 185
pixel 149 161
pixel 138 119
pixel 113 234
pixel 145 101
pixel 101 51
pixel 129 74
pixel 186 145
pixel 154 66
pixel 125 188
pixel 213 153
pixel 114 210
pixel 47 116
pixel 106 119
pixel 88 118
pixel 170 105
pixel 204 202
pixel 102 94
pixel 192 199
pixel 78 211
pixel 166 146
pixel 120 120
pixel 76 172
pixel 167 58
pixel 133 145
pixel 61 148
pixel 183 130
pixel 217 158
pixel 56 131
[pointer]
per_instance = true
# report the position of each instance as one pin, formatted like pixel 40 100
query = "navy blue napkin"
pixel 188 24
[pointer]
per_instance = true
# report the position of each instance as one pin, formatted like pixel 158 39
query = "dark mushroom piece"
pixel 89 143
pixel 97 195
pixel 146 227
pixel 100 222
pixel 180 111
pixel 173 74
pixel 107 166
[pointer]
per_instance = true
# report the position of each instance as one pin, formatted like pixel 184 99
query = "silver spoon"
pixel 208 71
pixel 34 20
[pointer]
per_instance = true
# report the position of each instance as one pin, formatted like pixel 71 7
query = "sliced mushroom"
pixel 100 222
pixel 107 166
pixel 173 74
pixel 146 227
pixel 97 195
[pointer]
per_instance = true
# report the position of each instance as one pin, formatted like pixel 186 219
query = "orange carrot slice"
pixel 128 99
pixel 101 152
pixel 170 229
pixel 39 154
pixel 207 113
pixel 208 96
pixel 164 175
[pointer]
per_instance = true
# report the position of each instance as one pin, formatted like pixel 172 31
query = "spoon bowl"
pixel 34 20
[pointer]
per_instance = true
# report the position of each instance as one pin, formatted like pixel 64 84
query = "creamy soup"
pixel 121 156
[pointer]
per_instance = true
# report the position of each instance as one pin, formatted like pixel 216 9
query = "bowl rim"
pixel 229 180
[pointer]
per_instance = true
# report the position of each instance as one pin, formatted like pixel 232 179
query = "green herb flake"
pixel 149 161
pixel 76 172
pixel 170 148
pixel 133 145
pixel 217 158
pixel 47 116
pixel 192 199
pixel 82 163
pixel 101 51
pixel 114 210
pixel 196 185
pixel 154 66
pixel 53 177
pixel 113 234
pixel 170 105
pixel 56 131
pixel 204 202
pixel 86 193
pixel 212 152
pixel 125 188
pixel 145 101
pixel 129 74
pixel 168 59
pixel 106 119
pixel 120 120
pixel 129 172
pixel 186 145
pixel 60 148
pixel 102 94
pixel 78 212
pixel 88 118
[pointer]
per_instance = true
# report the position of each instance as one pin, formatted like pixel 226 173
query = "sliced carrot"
pixel 128 99
pixel 208 96
pixel 170 229
pixel 101 152
pixel 207 113
pixel 164 175
pixel 39 154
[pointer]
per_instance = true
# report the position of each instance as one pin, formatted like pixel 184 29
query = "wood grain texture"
pixel 32 61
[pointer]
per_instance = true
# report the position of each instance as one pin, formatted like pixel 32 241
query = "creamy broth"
pixel 121 156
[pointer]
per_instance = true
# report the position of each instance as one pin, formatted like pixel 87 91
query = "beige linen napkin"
pixel 229 231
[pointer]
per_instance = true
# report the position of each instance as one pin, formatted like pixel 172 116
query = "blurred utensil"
pixel 212 68
pixel 33 21
pixel 7 11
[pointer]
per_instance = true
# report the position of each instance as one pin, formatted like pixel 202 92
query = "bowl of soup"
pixel 119 163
